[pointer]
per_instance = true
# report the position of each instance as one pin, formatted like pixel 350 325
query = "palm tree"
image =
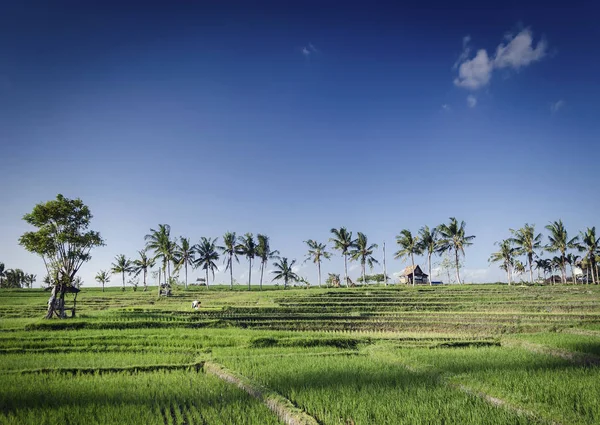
pixel 429 241
pixel 343 242
pixel 230 251
pixel 159 241
pixel 207 255
pixel 122 265
pixel 453 238
pixel 103 277
pixel 560 242
pixel 506 255
pixel 316 253
pixel 572 261
pixel 409 246
pixel 183 255
pixel 284 271
pixel 591 246
pixel 363 252
pixel 264 253
pixel 2 273
pixel 142 265
pixel 542 264
pixel 527 242
pixel 248 249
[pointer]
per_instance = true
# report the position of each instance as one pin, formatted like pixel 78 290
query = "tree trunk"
pixel 384 268
pixel 123 274
pixel 262 269
pixel 249 273
pixel 185 265
pixel 563 269
pixel 363 274
pixel 52 302
pixel 319 271
pixel 346 270
pixel 145 285
pixel 530 257
pixel 102 286
pixel 230 272
pixel 429 267
pixel 457 271
pixel 159 281
pixel 207 278
pixel 412 259
pixel 508 273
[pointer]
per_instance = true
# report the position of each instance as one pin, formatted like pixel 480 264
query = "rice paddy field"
pixel 470 354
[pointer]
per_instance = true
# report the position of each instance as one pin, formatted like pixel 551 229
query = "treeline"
pixel 15 278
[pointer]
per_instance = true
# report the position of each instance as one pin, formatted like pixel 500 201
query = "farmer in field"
pixel 195 304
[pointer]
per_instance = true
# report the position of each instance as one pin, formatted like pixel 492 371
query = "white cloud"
pixel 309 50
pixel 475 73
pixel 446 107
pixel 471 101
pixel 555 106
pixel 517 53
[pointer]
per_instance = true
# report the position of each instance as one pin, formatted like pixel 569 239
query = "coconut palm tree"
pixel 409 246
pixel 343 242
pixel 103 277
pixel 453 238
pixel 363 252
pixel 429 241
pixel 183 255
pixel 316 253
pixel 264 253
pixel 159 241
pixel 544 265
pixel 284 271
pixel 207 254
pixel 142 265
pixel 572 261
pixel 506 256
pixel 122 265
pixel 230 251
pixel 559 242
pixel 248 249
pixel 590 245
pixel 527 242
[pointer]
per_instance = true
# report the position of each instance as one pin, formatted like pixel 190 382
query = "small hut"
pixel 413 273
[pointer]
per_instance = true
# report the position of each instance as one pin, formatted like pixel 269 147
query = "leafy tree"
pixel 506 256
pixel 590 245
pixel 184 256
pixel 316 253
pixel 429 243
pixel 343 242
pixel 284 271
pixel 264 253
pixel 247 248
pixel 159 242
pixel 207 256
pixel 559 242
pixel 143 264
pixel 409 246
pixel 122 265
pixel 527 242
pixel 15 278
pixel 230 251
pixel 363 252
pixel 63 241
pixel 453 238
pixel 103 277
pixel 333 280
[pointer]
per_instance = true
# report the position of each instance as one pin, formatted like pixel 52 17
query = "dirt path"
pixel 281 406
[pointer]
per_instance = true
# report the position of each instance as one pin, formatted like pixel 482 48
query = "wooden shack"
pixel 413 273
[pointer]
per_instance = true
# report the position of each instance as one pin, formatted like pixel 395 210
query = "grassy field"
pixel 471 354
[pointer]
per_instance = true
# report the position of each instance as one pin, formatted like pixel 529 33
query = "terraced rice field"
pixel 473 354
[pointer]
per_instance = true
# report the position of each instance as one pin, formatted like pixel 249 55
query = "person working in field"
pixel 195 304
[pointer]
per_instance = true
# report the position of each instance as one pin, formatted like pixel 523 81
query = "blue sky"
pixel 290 120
